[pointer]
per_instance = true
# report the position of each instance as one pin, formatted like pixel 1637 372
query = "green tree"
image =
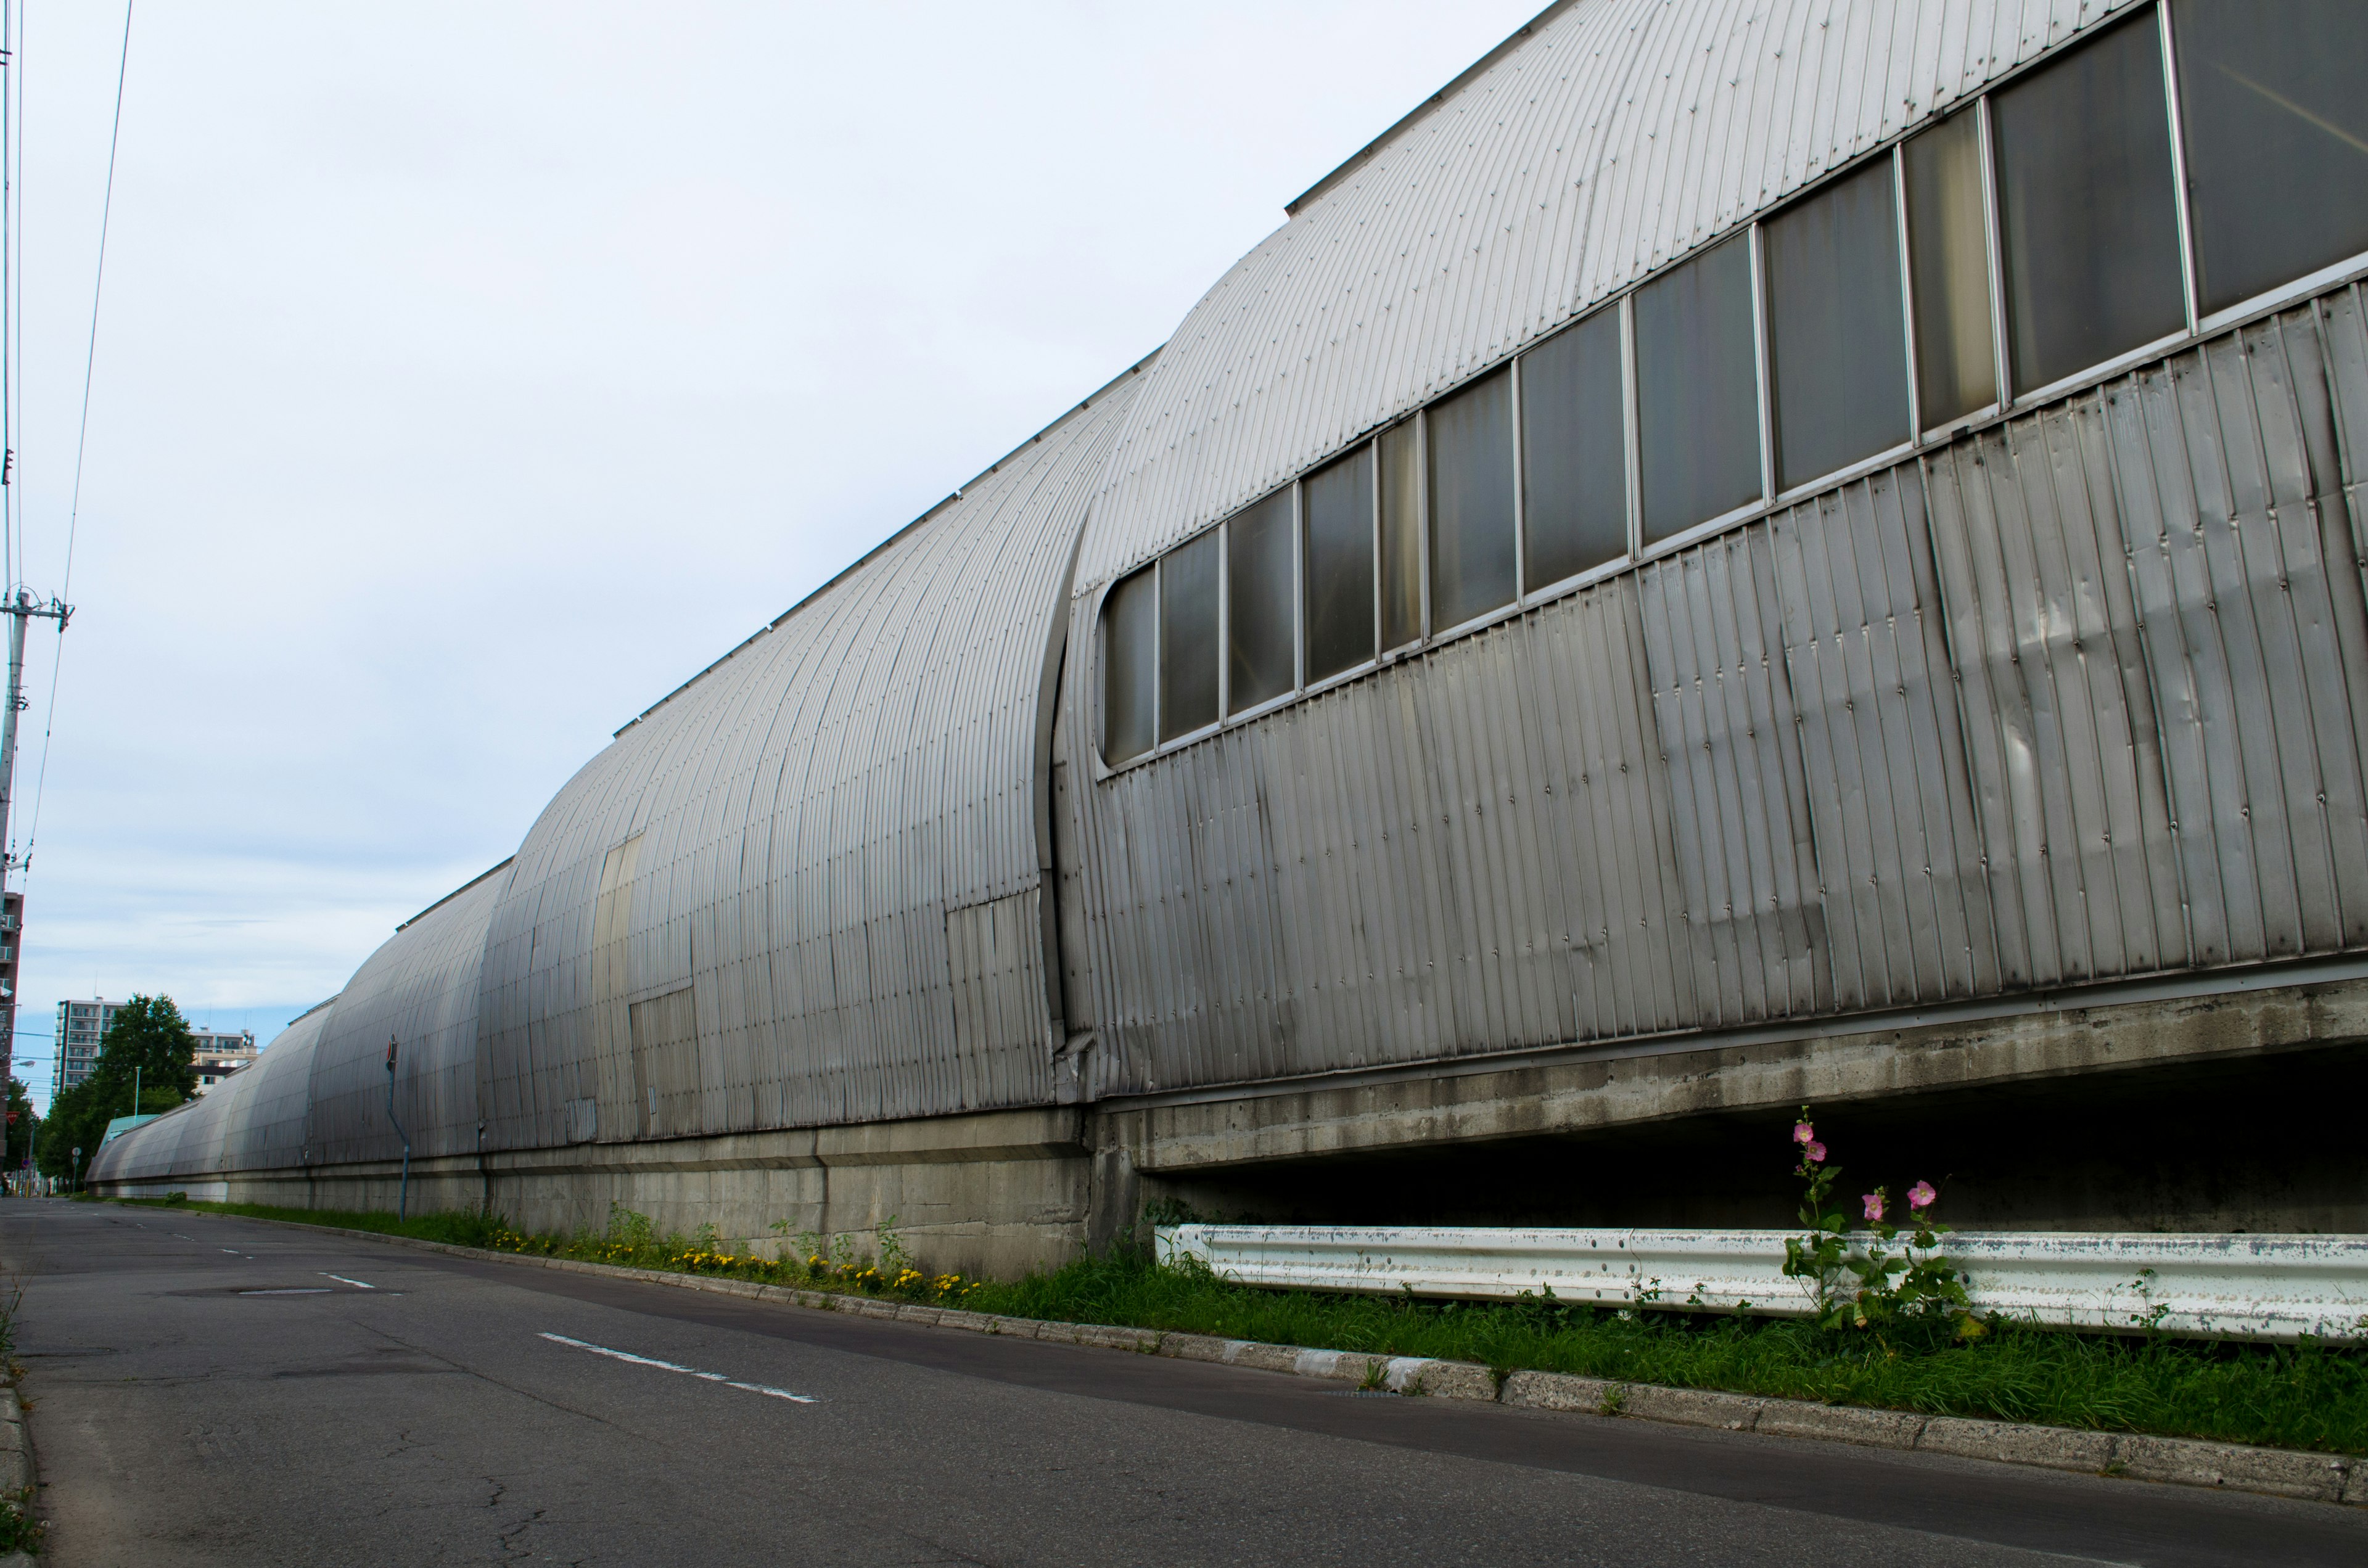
pixel 149 1043
pixel 21 1122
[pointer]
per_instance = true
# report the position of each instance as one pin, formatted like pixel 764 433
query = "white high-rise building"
pixel 80 1026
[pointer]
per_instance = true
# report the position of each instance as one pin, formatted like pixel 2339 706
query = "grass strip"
pixel 2310 1395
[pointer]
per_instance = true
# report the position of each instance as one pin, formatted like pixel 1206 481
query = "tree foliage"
pixel 21 1121
pixel 149 1043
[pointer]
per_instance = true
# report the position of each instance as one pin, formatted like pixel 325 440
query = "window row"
pixel 2054 225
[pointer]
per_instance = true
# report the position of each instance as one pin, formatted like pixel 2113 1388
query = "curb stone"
pixel 2179 1461
pixel 17 1471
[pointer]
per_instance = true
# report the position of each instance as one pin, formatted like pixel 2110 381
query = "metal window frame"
pixel 1933 434
pixel 1513 378
pixel 1994 252
pixel 1632 426
pixel 2175 126
pixel 1761 356
pixel 1368 452
pixel 1906 292
pixel 2008 403
pixel 1385 652
pixel 1886 456
pixel 1545 592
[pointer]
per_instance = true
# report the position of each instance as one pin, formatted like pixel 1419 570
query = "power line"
pixel 10 355
pixel 82 439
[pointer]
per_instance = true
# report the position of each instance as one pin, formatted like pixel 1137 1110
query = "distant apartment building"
pixel 220 1053
pixel 80 1026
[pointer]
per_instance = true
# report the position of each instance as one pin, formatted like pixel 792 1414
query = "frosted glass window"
pixel 2087 215
pixel 1401 462
pixel 1574 452
pixel 1471 501
pixel 1949 262
pixel 1340 562
pixel 1697 391
pixel 1261 643
pixel 1187 637
pixel 2276 123
pixel 1130 666
pixel 1836 327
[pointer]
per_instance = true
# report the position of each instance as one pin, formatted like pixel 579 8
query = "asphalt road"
pixel 218 1392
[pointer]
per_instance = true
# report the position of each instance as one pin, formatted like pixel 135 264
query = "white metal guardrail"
pixel 2240 1287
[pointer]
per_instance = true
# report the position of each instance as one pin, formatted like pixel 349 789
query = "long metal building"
pixel 1736 556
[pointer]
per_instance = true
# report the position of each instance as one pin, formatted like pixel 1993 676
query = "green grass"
pixel 2312 1395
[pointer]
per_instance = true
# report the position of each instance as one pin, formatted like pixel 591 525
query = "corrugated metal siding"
pixel 1898 847
pixel 809 818
pixel 1460 852
pixel 255 1120
pixel 2083 695
pixel 420 989
pixel 1619 135
pixel 1738 801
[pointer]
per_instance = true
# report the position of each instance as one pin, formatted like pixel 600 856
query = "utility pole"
pixel 20 609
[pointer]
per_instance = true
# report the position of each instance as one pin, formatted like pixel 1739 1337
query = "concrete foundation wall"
pixel 2137 1108
pixel 998 1193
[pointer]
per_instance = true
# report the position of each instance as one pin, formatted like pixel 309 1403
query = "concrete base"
pixel 2228 1111
pixel 998 1193
pixel 2121 1108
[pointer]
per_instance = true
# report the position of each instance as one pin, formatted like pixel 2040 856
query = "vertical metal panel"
pixel 2058 715
pixel 2243 559
pixel 1740 821
pixel 1899 856
pixel 420 990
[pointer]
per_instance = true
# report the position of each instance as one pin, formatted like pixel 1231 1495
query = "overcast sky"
pixel 470 375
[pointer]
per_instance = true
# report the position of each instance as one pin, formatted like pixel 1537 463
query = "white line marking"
pixel 678 1367
pixel 343 1280
pixel 293 1290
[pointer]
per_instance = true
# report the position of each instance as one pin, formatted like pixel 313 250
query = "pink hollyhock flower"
pixel 1803 1132
pixel 1921 1195
pixel 1816 1153
pixel 1874 1206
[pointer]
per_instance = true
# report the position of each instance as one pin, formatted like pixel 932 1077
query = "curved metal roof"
pixel 255 1120
pixel 1614 137
pixel 420 988
pixel 802 890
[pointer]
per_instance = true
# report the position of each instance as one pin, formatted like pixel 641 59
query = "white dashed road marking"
pixel 678 1367
pixel 343 1280
pixel 293 1290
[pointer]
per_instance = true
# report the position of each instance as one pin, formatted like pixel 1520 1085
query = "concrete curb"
pixel 2179 1461
pixel 16 1472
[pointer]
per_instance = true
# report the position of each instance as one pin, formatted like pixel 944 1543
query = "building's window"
pixel 1130 666
pixel 1949 268
pixel 1259 638
pixel 1472 501
pixel 1836 327
pixel 1401 463
pixel 1188 638
pixel 1574 452
pixel 1339 565
pixel 2275 119
pixel 2088 214
pixel 1697 391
